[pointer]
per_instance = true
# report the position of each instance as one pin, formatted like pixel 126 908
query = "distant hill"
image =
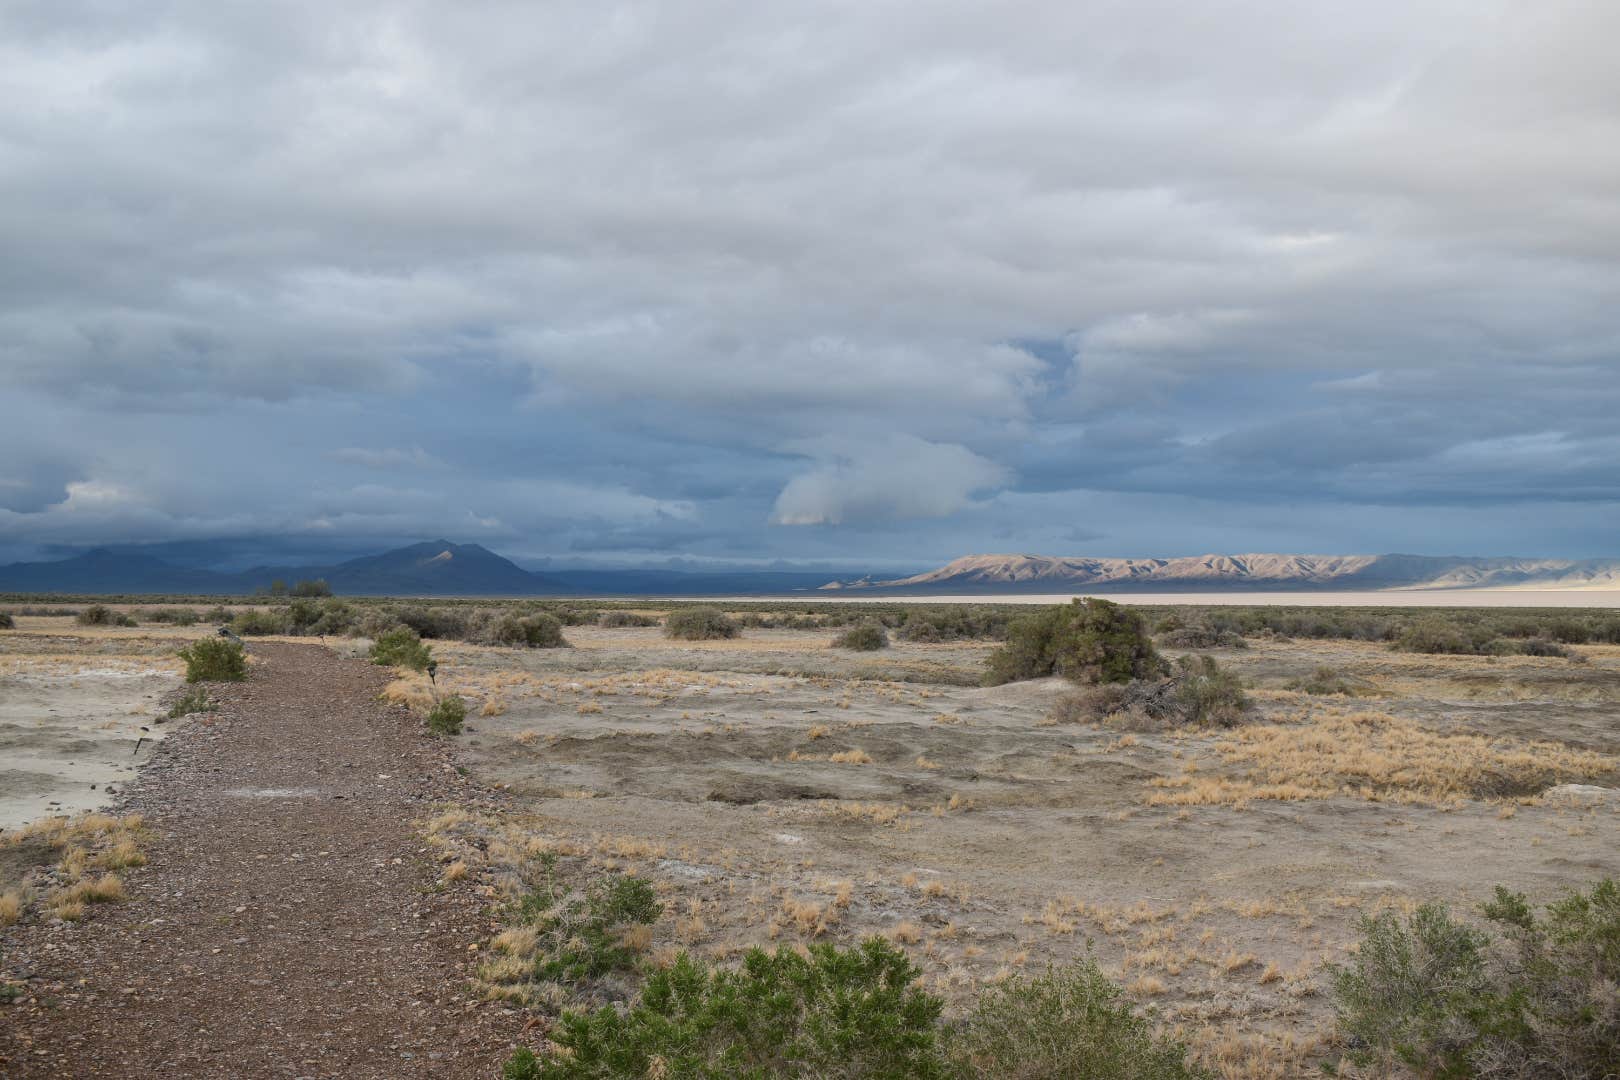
pixel 1044 573
pixel 433 568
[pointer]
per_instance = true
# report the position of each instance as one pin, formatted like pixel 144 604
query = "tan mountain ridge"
pixel 1027 572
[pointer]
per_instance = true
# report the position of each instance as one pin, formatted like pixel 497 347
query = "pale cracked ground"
pixel 781 790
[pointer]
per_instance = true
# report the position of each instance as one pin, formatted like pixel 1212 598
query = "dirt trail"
pixel 287 923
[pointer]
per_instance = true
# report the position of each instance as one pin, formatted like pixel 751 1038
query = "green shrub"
pixel 260 621
pixel 863 637
pixel 316 588
pixel 1540 646
pixel 1535 997
pixel 851 1013
pixel 447 715
pixel 1208 693
pixel 1437 635
pixel 1090 640
pixel 192 701
pixel 214 659
pixel 951 623
pixel 336 617
pixel 102 615
pixel 538 631
pixel 1068 1022
pixel 1201 636
pixel 700 624
pixel 6 621
pixel 581 937
pixel 400 647
pixel 170 616
pixel 436 622
pixel 618 619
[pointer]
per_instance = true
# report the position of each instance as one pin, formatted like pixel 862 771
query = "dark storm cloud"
pixel 878 280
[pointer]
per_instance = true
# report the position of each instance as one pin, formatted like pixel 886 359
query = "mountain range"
pixel 442 568
pixel 1051 574
pixel 433 568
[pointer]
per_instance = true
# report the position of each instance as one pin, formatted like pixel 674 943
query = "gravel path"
pixel 287 923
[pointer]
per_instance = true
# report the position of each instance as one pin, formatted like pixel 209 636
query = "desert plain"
pixel 778 790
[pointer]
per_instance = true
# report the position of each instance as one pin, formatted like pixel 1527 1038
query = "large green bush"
pixel 1090 641
pixel 214 659
pixel 1067 1022
pixel 6 621
pixel 700 624
pixel 848 1013
pixel 401 647
pixel 1533 997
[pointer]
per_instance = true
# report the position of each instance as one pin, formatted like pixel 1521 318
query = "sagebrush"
pixel 214 659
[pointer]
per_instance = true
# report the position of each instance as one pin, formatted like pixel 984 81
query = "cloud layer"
pixel 635 281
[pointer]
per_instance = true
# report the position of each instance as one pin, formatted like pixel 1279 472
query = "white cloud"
pixel 894 480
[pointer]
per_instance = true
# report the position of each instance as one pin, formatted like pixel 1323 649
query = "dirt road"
pixel 289 923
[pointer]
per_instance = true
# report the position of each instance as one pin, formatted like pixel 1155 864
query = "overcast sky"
pixel 877 283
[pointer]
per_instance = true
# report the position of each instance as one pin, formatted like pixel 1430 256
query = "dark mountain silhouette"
pixel 432 568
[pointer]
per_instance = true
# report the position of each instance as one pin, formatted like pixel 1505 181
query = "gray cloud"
pixel 648 279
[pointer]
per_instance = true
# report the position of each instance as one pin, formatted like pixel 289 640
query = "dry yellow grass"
pixel 850 757
pixel 11 906
pixel 1377 756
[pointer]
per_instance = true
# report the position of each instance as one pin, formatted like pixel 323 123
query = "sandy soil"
pixel 73 703
pixel 990 839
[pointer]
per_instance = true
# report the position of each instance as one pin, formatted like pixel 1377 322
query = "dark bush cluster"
pixel 102 615
pixel 170 616
pixel 615 620
pixel 1089 641
pixel 700 624
pixel 863 637
pixel 537 631
pixel 932 623
pixel 1202 636
pixel 1198 691
pixel 1526 997
pixel 261 621
pixel 6 621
